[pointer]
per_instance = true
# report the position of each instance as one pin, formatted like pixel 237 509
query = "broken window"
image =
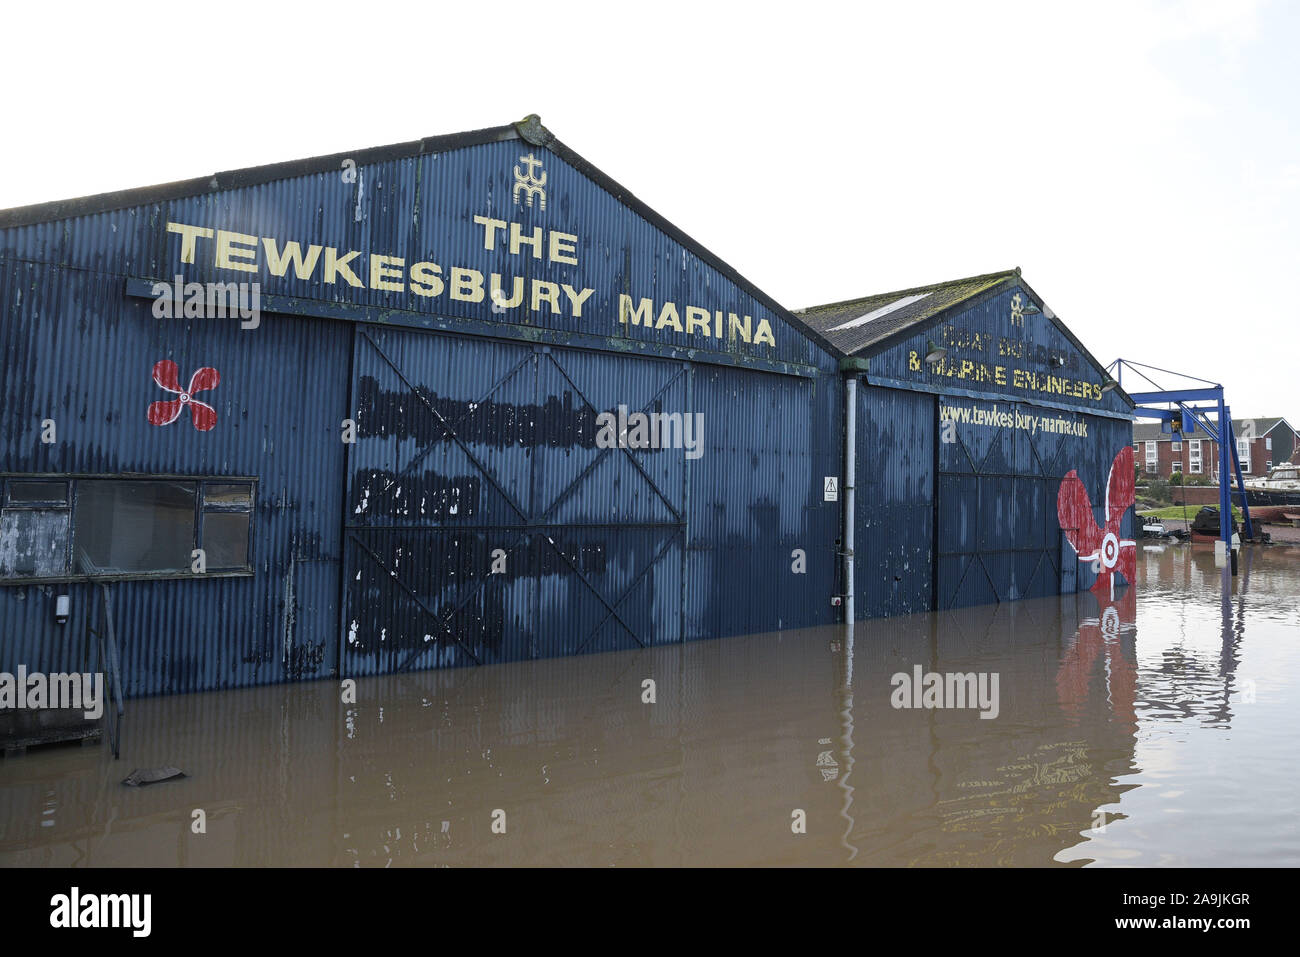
pixel 140 527
pixel 33 542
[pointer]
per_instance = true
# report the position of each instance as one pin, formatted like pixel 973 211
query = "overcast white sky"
pixel 1139 161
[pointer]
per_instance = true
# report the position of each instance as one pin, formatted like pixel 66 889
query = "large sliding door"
pixel 484 521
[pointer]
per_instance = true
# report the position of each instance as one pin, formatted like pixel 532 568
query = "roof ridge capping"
pixel 529 129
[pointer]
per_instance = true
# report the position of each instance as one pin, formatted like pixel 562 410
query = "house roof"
pixel 1266 424
pixel 856 324
pixel 1150 431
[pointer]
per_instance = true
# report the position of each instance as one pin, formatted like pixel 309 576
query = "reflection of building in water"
pixel 586 772
pixel 742 733
pixel 1102 639
pixel 936 787
pixel 1195 675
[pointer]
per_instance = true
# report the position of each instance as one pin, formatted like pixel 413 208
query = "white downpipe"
pixel 850 466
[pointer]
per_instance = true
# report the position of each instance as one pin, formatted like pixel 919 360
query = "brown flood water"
pixel 1169 715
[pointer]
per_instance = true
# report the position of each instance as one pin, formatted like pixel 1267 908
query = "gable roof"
pixel 873 324
pixel 529 129
pixel 855 324
pixel 1150 431
pixel 1266 424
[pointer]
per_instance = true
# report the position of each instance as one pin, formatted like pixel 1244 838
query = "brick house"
pixel 1261 444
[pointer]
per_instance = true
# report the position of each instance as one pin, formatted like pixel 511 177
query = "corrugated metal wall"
pixel 381 549
pixel 76 352
pixel 467 447
pixel 1038 361
pixel 959 472
pixel 1093 460
pixel 894 536
pixel 755 497
pixel 475 431
pixel 422 209
pixel 999 538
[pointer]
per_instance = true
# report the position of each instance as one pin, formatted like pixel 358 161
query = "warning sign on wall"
pixel 831 489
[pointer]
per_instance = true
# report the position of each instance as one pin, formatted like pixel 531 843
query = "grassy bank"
pixel 1176 512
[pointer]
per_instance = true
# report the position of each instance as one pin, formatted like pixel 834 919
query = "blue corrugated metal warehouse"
pixel 397 463
pixel 466 400
pixel 973 402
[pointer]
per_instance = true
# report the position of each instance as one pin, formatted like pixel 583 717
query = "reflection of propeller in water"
pixel 1101 545
pixel 1096 637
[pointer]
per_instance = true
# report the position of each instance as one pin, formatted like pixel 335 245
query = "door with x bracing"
pixel 484 521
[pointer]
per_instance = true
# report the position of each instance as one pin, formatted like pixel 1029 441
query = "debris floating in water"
pixel 142 776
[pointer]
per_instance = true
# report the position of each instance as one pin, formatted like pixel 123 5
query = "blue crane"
pixel 1185 408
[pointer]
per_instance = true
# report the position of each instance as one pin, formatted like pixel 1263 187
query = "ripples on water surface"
pixel 1169 714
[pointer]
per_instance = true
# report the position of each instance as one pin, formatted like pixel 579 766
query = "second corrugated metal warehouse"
pixel 466 400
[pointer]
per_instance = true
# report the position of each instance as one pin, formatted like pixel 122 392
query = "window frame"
pixel 201 506
pixel 47 503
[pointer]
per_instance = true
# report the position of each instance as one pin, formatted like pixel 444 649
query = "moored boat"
pixel 1281 488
